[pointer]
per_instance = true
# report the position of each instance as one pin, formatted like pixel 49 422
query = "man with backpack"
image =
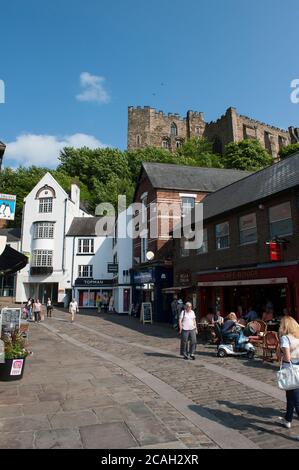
pixel 188 330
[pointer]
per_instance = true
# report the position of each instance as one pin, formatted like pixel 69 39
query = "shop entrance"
pixel 257 297
pixel 46 291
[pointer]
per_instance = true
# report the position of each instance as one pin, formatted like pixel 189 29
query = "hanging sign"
pixel 7 206
pixel 275 251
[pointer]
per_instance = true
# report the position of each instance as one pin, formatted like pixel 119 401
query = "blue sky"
pixel 209 54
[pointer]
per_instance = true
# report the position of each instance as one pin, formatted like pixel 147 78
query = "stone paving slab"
pixel 107 436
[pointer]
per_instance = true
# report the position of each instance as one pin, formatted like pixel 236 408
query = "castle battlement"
pixel 151 127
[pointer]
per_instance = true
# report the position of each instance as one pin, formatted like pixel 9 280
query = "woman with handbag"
pixel 289 343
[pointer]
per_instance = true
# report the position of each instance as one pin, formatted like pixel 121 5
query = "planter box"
pixel 12 369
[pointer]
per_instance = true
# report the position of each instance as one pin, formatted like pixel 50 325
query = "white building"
pixel 122 258
pixel 92 284
pixel 68 257
pixel 8 281
pixel 47 216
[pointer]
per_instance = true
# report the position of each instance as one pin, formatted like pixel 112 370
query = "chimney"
pixel 2 150
pixel 75 195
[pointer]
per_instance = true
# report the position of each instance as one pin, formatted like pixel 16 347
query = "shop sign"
pixel 7 207
pixel 92 282
pixel 143 277
pixel 184 278
pixel 113 268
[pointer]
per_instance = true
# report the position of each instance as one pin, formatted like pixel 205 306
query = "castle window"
pixel 179 144
pixel 138 140
pixel 173 130
pixel 165 144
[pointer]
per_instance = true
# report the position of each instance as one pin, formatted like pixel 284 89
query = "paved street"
pixel 108 382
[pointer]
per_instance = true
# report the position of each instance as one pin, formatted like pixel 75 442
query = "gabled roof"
pixel 190 178
pixel 12 234
pixel 256 187
pixel 83 227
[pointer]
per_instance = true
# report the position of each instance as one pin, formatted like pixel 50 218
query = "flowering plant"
pixel 14 346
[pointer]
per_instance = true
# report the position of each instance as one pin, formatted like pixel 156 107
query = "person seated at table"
pixel 229 328
pixel 208 319
pixel 268 315
pixel 251 315
pixel 217 318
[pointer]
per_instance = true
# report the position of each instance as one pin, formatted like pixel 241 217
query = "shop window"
pixel 86 246
pixel 222 236
pixel 280 218
pixel 85 271
pixel 248 229
pixel 204 248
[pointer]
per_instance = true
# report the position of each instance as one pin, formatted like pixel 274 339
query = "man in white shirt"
pixel 188 330
pixel 73 309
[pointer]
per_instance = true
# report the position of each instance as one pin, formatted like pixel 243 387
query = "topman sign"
pixel 7 207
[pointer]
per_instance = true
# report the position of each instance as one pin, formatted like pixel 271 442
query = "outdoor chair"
pixel 263 326
pixel 270 346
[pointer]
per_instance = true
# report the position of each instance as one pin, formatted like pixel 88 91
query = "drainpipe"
pixel 63 242
pixel 72 274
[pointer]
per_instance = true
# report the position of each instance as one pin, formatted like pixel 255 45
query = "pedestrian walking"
pixel 37 310
pixel 49 308
pixel 73 309
pixel 188 330
pixel 289 343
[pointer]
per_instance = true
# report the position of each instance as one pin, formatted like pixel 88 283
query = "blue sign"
pixel 142 277
pixel 7 206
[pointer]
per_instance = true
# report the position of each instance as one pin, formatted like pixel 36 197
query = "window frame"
pixel 42 259
pixel 45 203
pixel 89 268
pixel 288 234
pixel 82 246
pixel 219 237
pixel 248 229
pixel 41 228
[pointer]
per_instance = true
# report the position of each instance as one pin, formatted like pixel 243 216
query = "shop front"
pixel 93 293
pixel 184 288
pixel 250 288
pixel 148 286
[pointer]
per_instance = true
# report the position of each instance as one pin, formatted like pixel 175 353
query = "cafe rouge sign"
pixel 93 282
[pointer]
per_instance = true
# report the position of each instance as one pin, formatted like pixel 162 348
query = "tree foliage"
pixel 289 150
pixel 22 180
pixel 246 155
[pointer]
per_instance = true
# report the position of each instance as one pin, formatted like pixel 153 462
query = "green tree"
pixel 246 155
pixel 21 181
pixel 198 151
pixel 289 150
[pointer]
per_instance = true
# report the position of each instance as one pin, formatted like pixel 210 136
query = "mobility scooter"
pixel 227 347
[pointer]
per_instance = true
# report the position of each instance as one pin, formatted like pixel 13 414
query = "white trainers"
pixel 285 423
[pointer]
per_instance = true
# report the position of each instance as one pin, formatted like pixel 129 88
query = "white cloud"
pixel 43 150
pixel 93 89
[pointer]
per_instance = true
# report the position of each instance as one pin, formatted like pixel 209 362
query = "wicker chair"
pixel 263 326
pixel 270 346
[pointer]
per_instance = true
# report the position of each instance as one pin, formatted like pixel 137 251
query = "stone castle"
pixel 148 127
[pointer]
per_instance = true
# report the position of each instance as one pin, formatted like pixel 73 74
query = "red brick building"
pixel 161 185
pixel 250 254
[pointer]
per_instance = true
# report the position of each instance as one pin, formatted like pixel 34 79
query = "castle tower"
pixel 2 150
pixel 150 128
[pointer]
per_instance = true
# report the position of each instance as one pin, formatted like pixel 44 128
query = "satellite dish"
pixel 150 255
pixel 2 244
